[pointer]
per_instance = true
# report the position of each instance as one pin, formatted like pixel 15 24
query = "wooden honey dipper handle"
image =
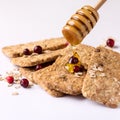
pixel 99 4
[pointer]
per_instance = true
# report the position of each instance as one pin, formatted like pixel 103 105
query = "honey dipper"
pixel 81 23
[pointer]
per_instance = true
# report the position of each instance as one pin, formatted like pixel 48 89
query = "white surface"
pixel 29 20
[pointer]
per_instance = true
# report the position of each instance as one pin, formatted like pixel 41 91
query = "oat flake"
pixel 15 93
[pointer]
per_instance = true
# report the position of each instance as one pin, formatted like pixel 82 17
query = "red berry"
pixel 82 68
pixel 10 79
pixel 73 60
pixel 39 66
pixel 76 69
pixel 38 49
pixel 24 83
pixel 26 51
pixel 66 44
pixel 110 42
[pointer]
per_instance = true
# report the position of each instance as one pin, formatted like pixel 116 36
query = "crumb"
pixel 31 84
pixel 17 87
pixel 17 81
pixel 1 78
pixel 10 85
pixel 15 93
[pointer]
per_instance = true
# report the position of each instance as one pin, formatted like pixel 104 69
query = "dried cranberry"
pixel 66 44
pixel 38 49
pixel 76 69
pixel 37 67
pixel 10 79
pixel 82 68
pixel 24 83
pixel 110 42
pixel 73 60
pixel 26 51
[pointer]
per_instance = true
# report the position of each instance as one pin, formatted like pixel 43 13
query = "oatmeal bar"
pixel 102 82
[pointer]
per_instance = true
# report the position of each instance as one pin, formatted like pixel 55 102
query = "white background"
pixel 23 21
